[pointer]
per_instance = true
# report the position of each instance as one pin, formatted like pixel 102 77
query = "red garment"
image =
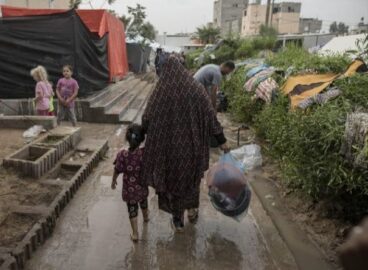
pixel 129 164
pixel 98 21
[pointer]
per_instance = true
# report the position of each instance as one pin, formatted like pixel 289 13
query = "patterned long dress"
pixel 179 121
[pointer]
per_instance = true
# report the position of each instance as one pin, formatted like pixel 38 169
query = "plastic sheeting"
pixel 138 57
pixel 100 22
pixel 51 41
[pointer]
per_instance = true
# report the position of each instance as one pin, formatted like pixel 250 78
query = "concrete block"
pixel 25 122
pixel 31 160
pixel 9 263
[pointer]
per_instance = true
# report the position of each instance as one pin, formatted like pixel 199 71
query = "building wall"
pixel 57 4
pixel 286 17
pixel 228 11
pixel 310 25
pixel 254 17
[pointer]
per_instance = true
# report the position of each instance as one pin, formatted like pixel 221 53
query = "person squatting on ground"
pixel 67 91
pixel 179 121
pixel 210 76
pixel 43 91
pixel 129 163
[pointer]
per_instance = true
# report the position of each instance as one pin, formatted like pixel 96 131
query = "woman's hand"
pixel 225 148
pixel 113 184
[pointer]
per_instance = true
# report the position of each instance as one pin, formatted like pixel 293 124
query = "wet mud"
pixel 94 231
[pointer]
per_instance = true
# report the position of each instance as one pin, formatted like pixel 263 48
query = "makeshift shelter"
pixel 302 87
pixel 92 41
pixel 138 57
pixel 341 44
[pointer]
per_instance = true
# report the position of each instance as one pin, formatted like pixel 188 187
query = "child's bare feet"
pixel 134 234
pixel 134 237
pixel 145 213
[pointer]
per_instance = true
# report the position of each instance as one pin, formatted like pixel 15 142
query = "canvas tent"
pixel 138 57
pixel 92 41
pixel 341 44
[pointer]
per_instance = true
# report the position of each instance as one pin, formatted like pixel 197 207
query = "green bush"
pixel 245 50
pixel 307 144
pixel 301 60
pixel 190 58
pixel 224 53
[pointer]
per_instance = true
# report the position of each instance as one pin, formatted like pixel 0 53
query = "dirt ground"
pixel 325 232
pixel 93 232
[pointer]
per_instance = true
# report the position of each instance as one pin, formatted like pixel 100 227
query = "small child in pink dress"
pixel 43 91
pixel 67 91
pixel 129 163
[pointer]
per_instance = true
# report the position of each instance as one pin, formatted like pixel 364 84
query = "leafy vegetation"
pixel 136 24
pixel 307 144
pixel 207 34
pixel 300 60
pixel 339 28
pixel 234 48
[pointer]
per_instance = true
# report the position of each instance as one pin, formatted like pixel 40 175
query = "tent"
pixel 301 87
pixel 341 44
pixel 93 41
pixel 138 57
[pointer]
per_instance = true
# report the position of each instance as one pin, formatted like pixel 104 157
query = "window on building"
pixel 276 10
pixel 291 10
pixel 235 5
pixel 245 13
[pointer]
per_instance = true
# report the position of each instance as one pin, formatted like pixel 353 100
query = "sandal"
pixel 146 218
pixel 177 225
pixel 193 215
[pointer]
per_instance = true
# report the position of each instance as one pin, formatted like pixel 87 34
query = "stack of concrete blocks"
pixel 39 157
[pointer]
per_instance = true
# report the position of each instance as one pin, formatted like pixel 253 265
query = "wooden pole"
pixel 268 12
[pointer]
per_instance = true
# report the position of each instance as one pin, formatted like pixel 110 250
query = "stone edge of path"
pixel 306 253
pixel 43 229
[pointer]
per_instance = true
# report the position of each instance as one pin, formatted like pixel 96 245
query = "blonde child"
pixel 67 91
pixel 43 91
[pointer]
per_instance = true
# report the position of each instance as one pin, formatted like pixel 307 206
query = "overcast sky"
pixel 174 16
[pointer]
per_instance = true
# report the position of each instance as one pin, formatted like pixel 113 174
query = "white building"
pixel 56 4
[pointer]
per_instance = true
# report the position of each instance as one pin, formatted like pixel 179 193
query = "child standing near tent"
pixel 67 91
pixel 43 91
pixel 129 163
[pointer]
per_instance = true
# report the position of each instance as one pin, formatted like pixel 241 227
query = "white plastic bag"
pixel 33 132
pixel 249 155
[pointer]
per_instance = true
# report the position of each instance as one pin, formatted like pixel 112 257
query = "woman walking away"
pixel 179 121
pixel 67 91
pixel 129 163
pixel 43 91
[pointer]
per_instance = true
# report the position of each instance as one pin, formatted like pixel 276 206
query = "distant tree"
pixel 126 21
pixel 135 24
pixel 74 3
pixel 207 34
pixel 361 23
pixel 148 31
pixel 342 28
pixel 339 28
pixel 267 31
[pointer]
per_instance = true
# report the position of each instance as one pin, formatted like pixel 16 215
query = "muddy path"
pixel 93 231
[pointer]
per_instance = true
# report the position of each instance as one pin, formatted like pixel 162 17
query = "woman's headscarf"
pixel 179 120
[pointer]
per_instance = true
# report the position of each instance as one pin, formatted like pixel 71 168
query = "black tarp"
pixel 138 57
pixel 51 41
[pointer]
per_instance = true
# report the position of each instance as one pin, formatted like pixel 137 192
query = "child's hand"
pixel 113 184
